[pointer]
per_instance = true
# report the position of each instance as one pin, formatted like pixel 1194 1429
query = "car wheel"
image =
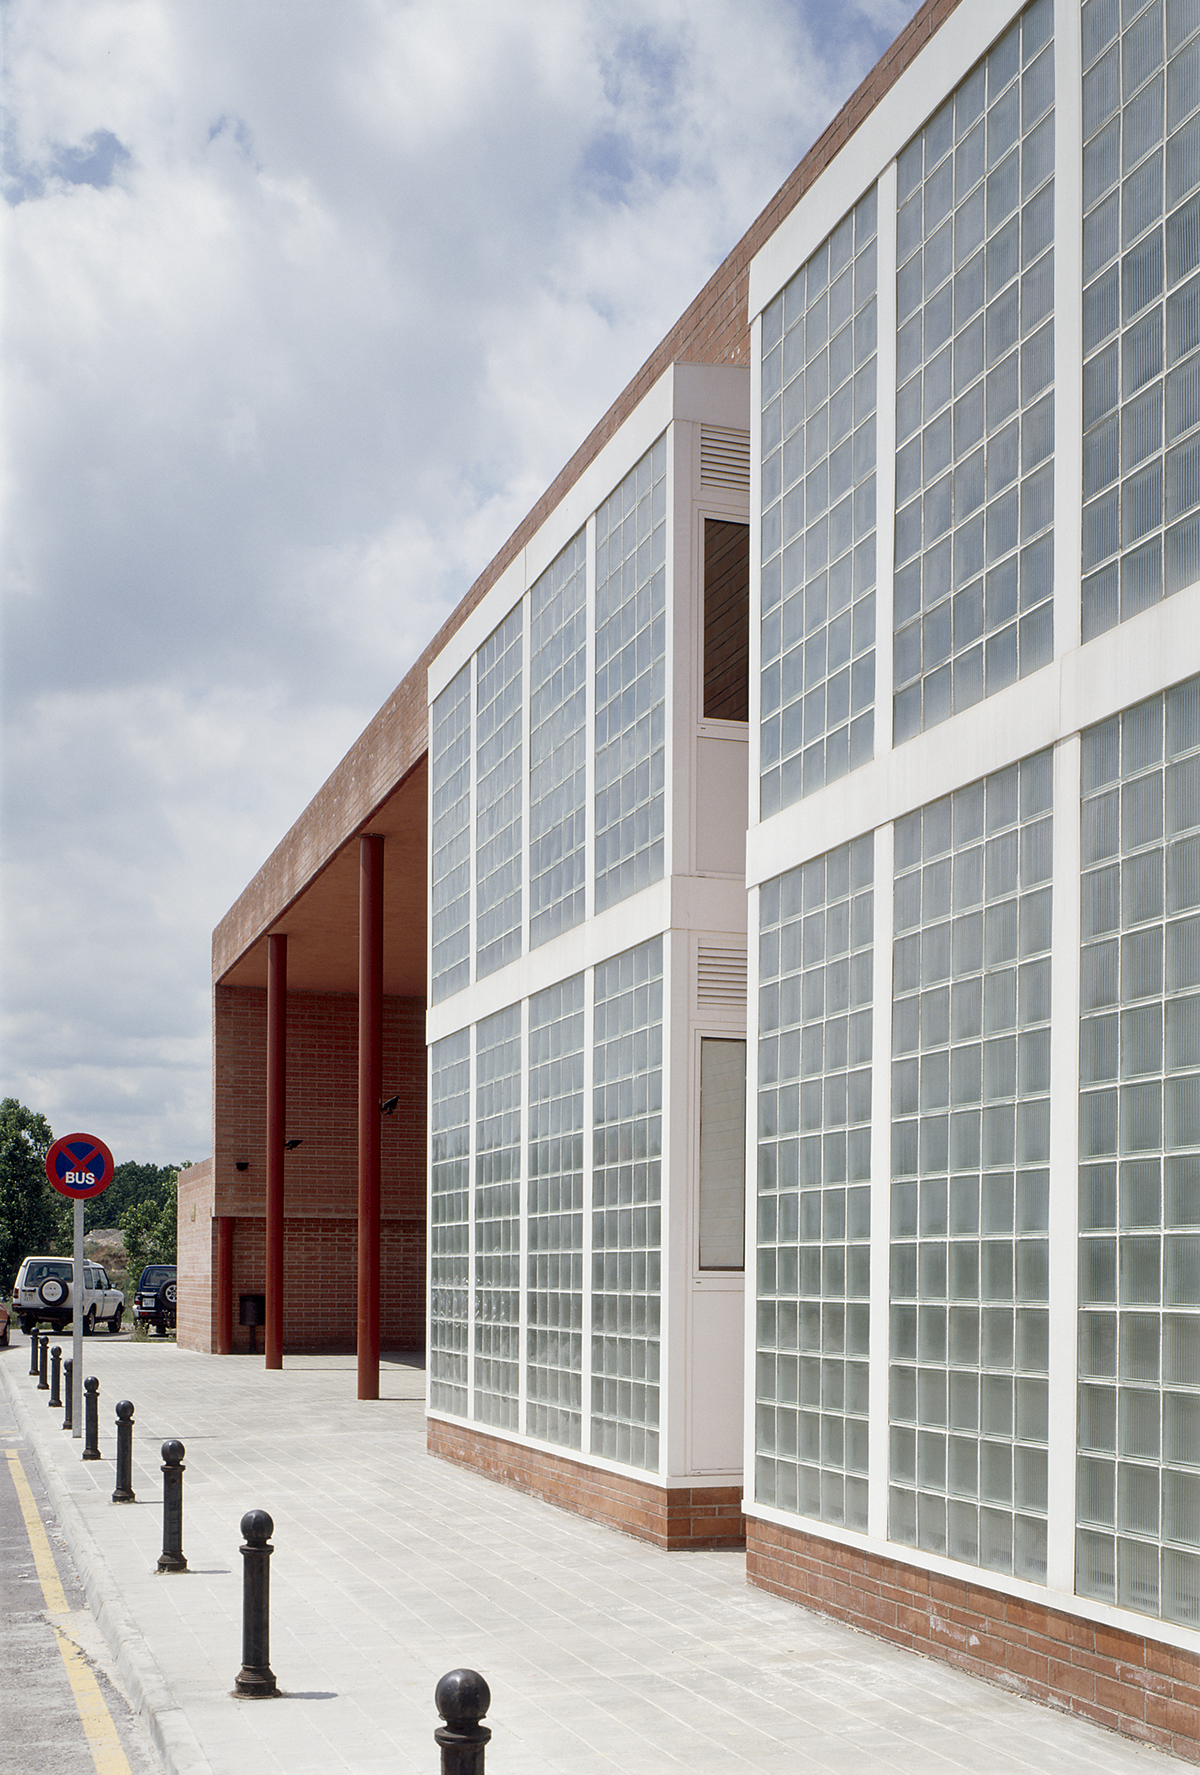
pixel 114 1324
pixel 27 1327
pixel 89 1322
pixel 53 1291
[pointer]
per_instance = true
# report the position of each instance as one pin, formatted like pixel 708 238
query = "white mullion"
pixel 523 1218
pixel 1068 322
pixel 881 1185
pixel 885 452
pixel 1064 1169
pixel 585 1365
pixel 472 1147
pixel 589 722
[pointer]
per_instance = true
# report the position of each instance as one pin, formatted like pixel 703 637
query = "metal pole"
pixel 370 1085
pixel 255 1679
pixel 91 1410
pixel 77 1326
pixel 68 1394
pixel 124 1492
pixel 276 1115
pixel 55 1399
pixel 462 1698
pixel 171 1558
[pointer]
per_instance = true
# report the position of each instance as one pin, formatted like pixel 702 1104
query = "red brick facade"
pixel 321 1174
pixel 676 1518
pixel 1122 1680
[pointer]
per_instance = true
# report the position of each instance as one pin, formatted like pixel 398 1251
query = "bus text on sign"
pixel 79 1166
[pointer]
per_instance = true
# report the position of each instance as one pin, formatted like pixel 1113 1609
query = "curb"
pixel 173 1736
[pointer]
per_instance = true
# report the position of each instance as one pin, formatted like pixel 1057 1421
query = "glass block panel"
pixel 626 1206
pixel 631 652
pixel 1141 340
pixel 974 405
pixel 498 797
pixel 818 520
pixel 450 838
pixel 1139 1296
pixel 971 1128
pixel 554 1276
pixel 814 1198
pixel 449 1221
pixel 557 742
pixel 498 1217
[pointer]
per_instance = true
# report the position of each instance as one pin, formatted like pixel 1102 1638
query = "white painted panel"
pixel 715 1380
pixel 722 803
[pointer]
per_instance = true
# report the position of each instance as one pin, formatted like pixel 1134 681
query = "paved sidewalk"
pixel 391 1568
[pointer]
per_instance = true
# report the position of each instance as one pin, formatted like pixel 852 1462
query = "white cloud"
pixel 306 305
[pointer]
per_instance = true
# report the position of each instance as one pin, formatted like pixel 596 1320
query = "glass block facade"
pixel 498 1217
pixel 450 838
pixel 816 947
pixel 631 652
pixel 1138 1473
pixel 1141 306
pixel 627 1113
pixel 449 1220
pixel 818 523
pixel 498 797
pixel 557 743
pixel 554 1276
pixel 974 385
pixel 969 1334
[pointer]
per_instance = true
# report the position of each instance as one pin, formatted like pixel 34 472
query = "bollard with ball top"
pixel 91 1419
pixel 55 1399
pixel 171 1558
pixel 462 1698
pixel 123 1492
pixel 68 1393
pixel 35 1341
pixel 43 1385
pixel 256 1680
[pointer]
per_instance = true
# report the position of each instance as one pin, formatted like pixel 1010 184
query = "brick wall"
pixel 676 1518
pixel 321 1174
pixel 1120 1679
pixel 195 1255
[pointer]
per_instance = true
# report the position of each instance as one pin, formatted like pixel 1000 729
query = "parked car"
pixel 154 1299
pixel 44 1293
pixel 3 1327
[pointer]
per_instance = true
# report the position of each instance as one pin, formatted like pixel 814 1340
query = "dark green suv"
pixel 154 1301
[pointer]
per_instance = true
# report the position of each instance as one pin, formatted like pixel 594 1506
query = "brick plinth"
pixel 677 1518
pixel 1121 1679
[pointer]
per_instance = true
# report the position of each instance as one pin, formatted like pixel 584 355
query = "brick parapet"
pixel 713 329
pixel 1119 1678
pixel 676 1518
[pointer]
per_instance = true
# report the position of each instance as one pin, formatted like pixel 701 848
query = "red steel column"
pixel 370 1090
pixel 276 1113
pixel 224 1284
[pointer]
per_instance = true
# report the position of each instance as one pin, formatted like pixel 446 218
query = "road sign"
pixel 79 1166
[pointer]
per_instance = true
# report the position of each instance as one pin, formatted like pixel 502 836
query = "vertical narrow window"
pixel 557 744
pixel 554 1278
pixel 449 1218
pixel 498 797
pixel 722 1154
pixel 975 385
pixel 1138 1467
pixel 450 838
pixel 626 1205
pixel 970 1334
pixel 818 517
pixel 816 968
pixel 1141 307
pixel 726 621
pixel 498 1217
pixel 631 655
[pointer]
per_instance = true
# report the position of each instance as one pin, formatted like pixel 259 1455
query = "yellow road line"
pixel 94 1716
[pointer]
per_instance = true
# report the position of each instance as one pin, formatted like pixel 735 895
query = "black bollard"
pixel 124 1493
pixel 255 1680
pixel 55 1399
pixel 35 1339
pixel 43 1385
pixel 91 1419
pixel 171 1558
pixel 462 1698
pixel 68 1394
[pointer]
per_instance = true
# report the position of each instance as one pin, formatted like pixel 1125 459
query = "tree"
pixel 27 1203
pixel 150 1224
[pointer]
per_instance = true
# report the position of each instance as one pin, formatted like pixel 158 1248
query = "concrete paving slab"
pixel 391 1567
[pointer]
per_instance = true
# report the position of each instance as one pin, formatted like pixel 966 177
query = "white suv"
pixel 45 1291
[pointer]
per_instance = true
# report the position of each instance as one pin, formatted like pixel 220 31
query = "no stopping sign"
pixel 79 1166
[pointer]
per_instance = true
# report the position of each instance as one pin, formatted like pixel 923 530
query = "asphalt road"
pixel 61 1708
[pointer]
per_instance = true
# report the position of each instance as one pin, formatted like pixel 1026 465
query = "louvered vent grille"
pixel 725 457
pixel 721 976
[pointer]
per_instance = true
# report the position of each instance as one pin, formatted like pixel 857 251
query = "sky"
pixel 305 303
